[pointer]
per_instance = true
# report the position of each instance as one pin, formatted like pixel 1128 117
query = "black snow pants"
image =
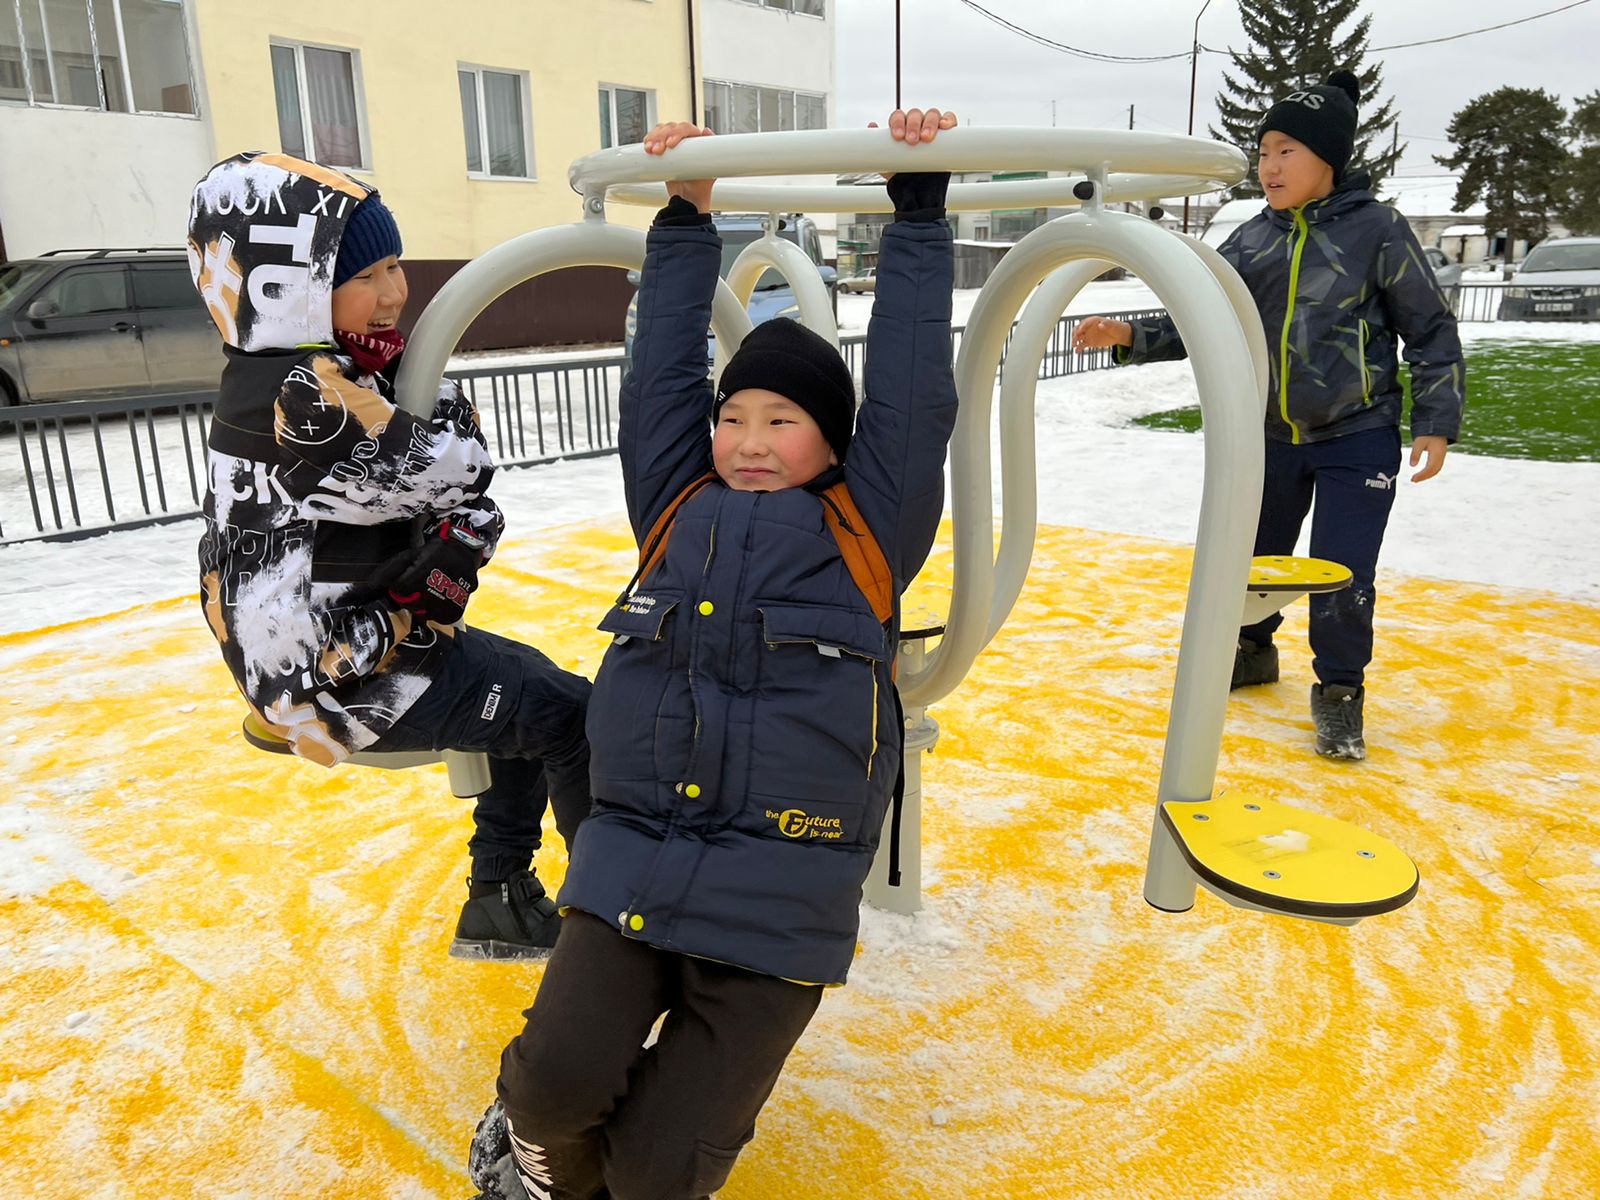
pixel 593 1112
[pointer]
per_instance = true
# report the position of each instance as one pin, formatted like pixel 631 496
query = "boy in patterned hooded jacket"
pixel 337 625
pixel 1340 281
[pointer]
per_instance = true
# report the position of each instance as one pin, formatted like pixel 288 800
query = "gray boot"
pixel 1336 709
pixel 1254 663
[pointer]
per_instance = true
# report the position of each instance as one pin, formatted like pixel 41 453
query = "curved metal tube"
pixel 834 151
pixel 1230 497
pixel 498 270
pixel 1019 459
pixel 733 195
pixel 816 310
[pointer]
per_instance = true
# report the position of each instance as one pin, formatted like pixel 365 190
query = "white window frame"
pixel 793 93
pixel 477 70
pixel 649 107
pixel 358 81
pixel 821 16
pixel 124 67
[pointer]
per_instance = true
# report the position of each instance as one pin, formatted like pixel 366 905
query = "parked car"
pixel 773 297
pixel 867 281
pixel 1446 272
pixel 103 324
pixel 1558 281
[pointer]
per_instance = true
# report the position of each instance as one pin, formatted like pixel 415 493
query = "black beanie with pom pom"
pixel 1323 117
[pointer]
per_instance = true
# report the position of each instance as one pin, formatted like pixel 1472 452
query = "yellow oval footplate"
pixel 1287 860
pixel 1286 573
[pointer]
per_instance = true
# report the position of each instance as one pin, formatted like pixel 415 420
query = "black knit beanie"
pixel 370 235
pixel 1323 117
pixel 784 356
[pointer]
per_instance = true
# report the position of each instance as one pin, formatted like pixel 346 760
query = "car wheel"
pixel 8 392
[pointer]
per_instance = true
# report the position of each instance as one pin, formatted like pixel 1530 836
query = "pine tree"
pixel 1510 153
pixel 1580 210
pixel 1297 44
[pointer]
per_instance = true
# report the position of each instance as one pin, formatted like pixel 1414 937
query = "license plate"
pixel 1547 306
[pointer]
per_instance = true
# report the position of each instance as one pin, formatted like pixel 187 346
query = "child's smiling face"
pixel 371 300
pixel 765 442
pixel 1290 173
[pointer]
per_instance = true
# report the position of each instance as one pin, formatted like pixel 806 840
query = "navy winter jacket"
pixel 743 727
pixel 1339 282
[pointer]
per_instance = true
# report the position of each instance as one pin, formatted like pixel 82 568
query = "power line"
pixel 1453 37
pixel 1075 51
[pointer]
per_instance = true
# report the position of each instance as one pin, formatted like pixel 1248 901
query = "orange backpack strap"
pixel 860 550
pixel 654 546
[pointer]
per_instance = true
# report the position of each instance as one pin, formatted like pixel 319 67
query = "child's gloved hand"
pixel 663 138
pixel 435 580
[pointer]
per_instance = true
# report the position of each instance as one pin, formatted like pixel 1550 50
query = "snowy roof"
pixel 1463 231
pixel 1427 196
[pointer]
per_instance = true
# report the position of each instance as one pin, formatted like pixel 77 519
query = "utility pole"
pixel 1130 116
pixel 1194 70
pixel 1052 114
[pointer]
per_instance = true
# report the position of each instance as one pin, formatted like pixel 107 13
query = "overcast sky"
pixel 955 57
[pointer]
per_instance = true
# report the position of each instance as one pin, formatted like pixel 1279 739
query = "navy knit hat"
pixel 784 356
pixel 1323 117
pixel 370 234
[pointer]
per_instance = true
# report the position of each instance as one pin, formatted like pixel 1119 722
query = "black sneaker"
pixel 511 919
pixel 490 1163
pixel 1337 711
pixel 1253 664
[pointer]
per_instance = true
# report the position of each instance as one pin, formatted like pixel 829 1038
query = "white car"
pixel 1558 281
pixel 1446 272
pixel 867 281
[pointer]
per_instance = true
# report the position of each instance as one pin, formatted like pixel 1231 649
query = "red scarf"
pixel 372 351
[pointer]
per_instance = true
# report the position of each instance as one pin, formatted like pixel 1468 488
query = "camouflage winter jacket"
pixel 314 476
pixel 1340 283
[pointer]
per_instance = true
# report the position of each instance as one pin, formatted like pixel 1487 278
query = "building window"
pixel 496 121
pixel 746 108
pixel 319 116
pixel 113 55
pixel 625 115
pixel 806 8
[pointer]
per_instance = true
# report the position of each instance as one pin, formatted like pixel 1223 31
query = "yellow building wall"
pixel 409 51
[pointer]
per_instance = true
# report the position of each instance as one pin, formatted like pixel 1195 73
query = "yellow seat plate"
pixel 1287 573
pixel 262 738
pixel 1288 859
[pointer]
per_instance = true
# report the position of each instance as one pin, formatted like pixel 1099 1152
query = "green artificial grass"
pixel 1524 400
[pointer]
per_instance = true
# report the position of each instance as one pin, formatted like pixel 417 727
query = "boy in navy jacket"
pixel 1340 281
pixel 745 735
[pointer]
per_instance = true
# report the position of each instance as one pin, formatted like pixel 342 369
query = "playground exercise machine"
pixel 1252 852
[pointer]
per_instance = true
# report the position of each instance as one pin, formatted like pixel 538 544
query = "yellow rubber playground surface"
pixel 223 974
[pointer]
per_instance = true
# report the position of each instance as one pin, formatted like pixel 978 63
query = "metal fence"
pixel 75 468
pixel 1477 301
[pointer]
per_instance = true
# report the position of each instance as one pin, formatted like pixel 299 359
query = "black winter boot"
pixel 509 918
pixel 1253 664
pixel 1337 711
pixel 490 1162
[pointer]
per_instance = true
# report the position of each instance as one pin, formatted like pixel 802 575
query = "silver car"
pixel 104 324
pixel 1558 281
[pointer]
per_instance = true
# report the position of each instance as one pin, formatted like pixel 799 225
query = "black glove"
pixel 435 580
pixel 919 195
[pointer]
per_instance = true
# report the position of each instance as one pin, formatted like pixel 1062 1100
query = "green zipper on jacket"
pixel 1288 319
pixel 1366 374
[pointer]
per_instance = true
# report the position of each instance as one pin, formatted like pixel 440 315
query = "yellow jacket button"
pixel 707 608
pixel 636 922
pixel 692 790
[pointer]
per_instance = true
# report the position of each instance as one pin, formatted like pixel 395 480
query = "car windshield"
pixel 1582 256
pixel 735 240
pixel 17 278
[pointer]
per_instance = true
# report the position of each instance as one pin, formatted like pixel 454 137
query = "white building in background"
pixel 768 65
pixel 101 137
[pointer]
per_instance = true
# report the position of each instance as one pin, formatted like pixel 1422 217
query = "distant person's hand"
pixel 1435 448
pixel 1101 333
pixel 917 125
pixel 663 138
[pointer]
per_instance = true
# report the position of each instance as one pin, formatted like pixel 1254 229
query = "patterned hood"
pixel 264 233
